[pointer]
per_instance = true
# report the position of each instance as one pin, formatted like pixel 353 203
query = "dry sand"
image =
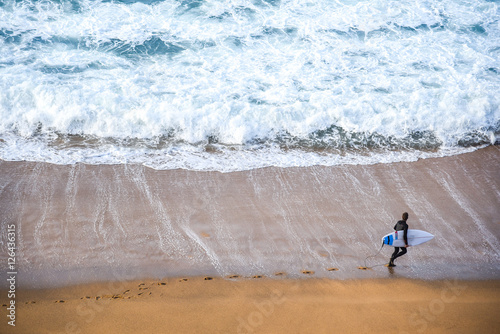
pixel 263 305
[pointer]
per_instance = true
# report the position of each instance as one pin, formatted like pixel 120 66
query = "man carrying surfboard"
pixel 400 251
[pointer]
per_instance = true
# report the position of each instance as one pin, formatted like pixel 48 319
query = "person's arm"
pixel 406 235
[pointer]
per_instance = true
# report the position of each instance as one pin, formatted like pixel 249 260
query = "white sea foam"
pixel 197 158
pixel 243 71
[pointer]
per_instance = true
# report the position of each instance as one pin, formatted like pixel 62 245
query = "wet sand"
pixel 83 223
pixel 246 305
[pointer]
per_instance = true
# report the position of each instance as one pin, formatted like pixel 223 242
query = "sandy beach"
pixel 104 249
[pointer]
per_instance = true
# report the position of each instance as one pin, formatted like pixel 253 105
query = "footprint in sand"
pixel 183 280
pixel 234 276
pixel 280 273
pixel 308 272
pixel 257 276
pixel 143 288
pixel 208 278
pixel 332 269
pixel 162 283
pixel 59 301
pixel 363 268
pixel 126 291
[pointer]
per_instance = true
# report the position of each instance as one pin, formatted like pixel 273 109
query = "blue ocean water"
pixel 241 84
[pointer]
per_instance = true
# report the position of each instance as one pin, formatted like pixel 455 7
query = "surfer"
pixel 400 226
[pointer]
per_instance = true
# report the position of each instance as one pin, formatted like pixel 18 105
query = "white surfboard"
pixel 415 237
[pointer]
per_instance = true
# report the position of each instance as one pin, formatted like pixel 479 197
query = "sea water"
pixel 241 84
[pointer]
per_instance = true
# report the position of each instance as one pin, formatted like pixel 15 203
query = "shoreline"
pixel 425 155
pixel 205 162
pixel 195 305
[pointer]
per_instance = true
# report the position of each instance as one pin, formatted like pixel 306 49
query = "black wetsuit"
pixel 400 251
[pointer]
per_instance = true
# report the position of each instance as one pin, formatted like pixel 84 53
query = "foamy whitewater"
pixel 236 85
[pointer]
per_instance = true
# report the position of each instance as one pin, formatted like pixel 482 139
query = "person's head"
pixel 405 216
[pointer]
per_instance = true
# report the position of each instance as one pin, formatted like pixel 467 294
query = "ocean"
pixel 237 85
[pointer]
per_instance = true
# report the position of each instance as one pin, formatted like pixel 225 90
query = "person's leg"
pixel 400 253
pixel 393 256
